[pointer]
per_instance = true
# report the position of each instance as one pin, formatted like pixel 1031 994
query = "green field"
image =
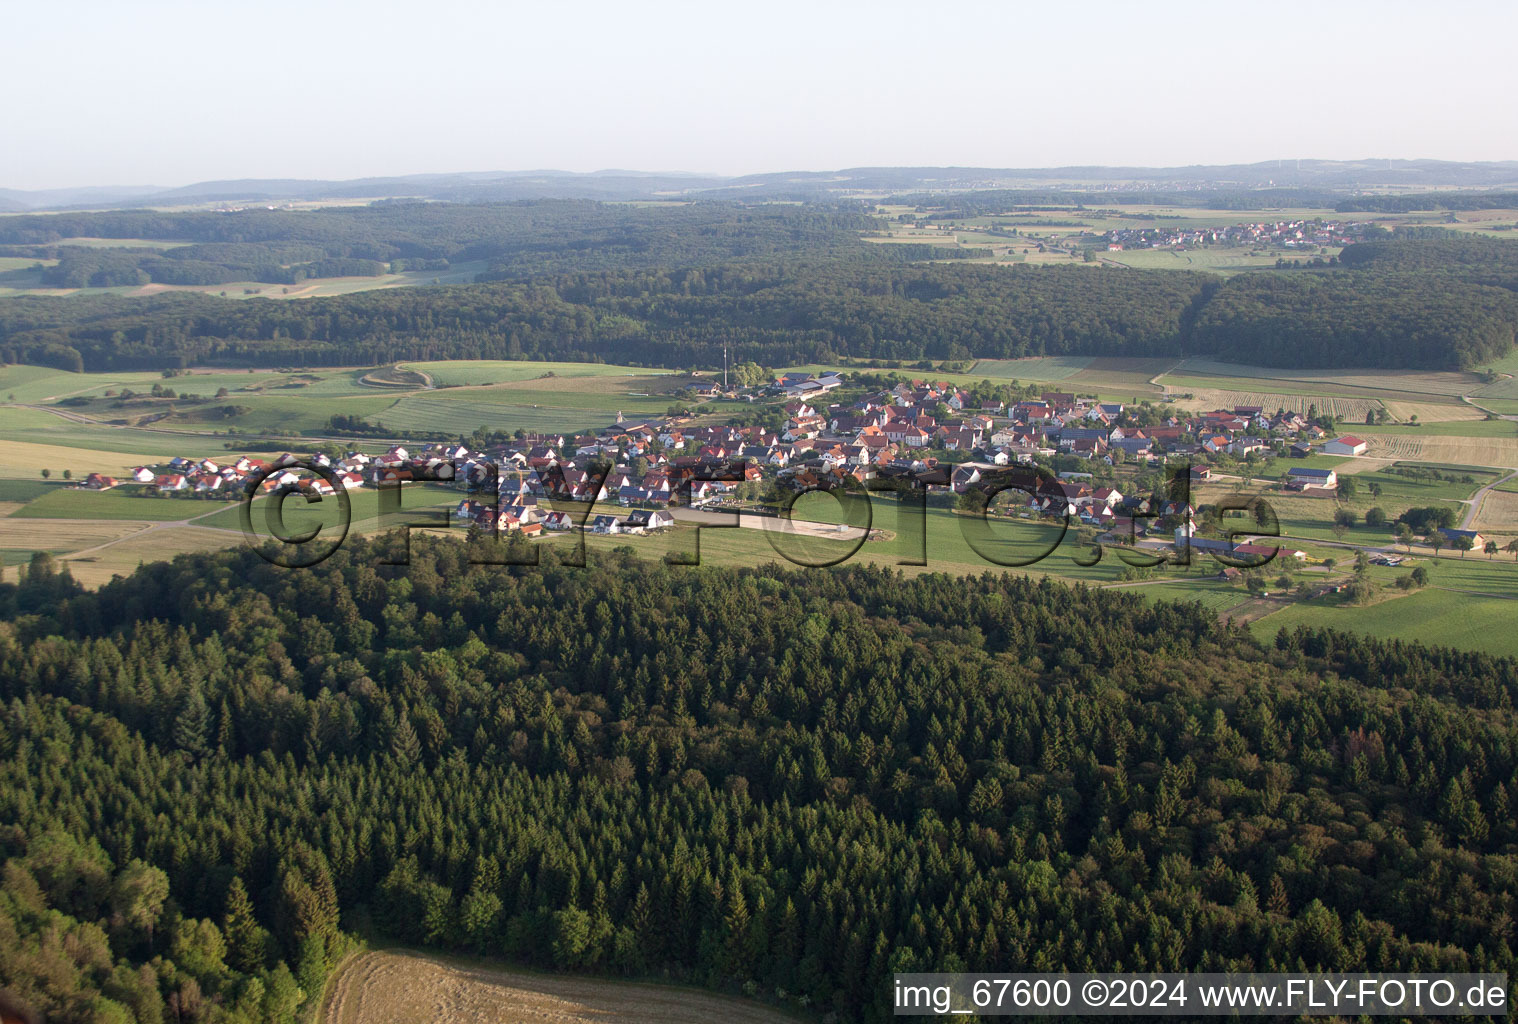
pixel 31 426
pixel 1303 518
pixel 1476 572
pixel 122 503
pixel 1507 388
pixel 25 490
pixel 301 515
pixel 1215 595
pixel 469 395
pixel 1051 368
pixel 1433 616
pixel 1430 385
pixel 512 410
pixel 499 371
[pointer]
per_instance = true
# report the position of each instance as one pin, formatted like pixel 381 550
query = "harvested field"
pixel 27 458
pixel 447 373
pixel 95 566
pixel 1498 512
pixel 396 987
pixel 1414 382
pixel 1205 399
pixel 64 534
pixel 1501 452
pixel 1109 373
pixel 1430 412
pixel 643 384
pixel 1354 467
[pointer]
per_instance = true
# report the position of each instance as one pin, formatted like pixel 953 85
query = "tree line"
pixel 789 784
pixel 776 285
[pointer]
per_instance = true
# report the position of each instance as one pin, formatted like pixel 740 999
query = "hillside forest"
pixel 215 774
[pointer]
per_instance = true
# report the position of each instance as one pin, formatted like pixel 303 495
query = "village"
pixel 1286 234
pixel 1098 466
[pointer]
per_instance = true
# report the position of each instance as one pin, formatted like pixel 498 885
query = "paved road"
pixel 1477 498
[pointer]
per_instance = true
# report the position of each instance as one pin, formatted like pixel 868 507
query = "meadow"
pixel 1471 621
pixel 1312 518
pixel 68 502
pixel 89 411
pixel 1429 385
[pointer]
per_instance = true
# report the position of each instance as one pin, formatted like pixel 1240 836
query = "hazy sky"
pixel 167 93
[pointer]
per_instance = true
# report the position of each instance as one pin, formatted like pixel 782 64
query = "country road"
pixel 1477 498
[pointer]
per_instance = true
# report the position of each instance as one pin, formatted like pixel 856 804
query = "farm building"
pixel 1345 444
pixel 1255 553
pixel 1303 476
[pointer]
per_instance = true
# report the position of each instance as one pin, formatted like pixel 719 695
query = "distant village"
pixel 933 435
pixel 1283 234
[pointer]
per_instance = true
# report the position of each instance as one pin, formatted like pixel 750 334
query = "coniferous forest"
pixel 214 772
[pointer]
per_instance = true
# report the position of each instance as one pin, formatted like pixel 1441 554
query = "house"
pixel 912 436
pixel 1106 497
pixel 558 521
pixel 1453 537
pixel 1134 445
pixel 144 475
pixel 606 524
pixel 1301 450
pixel 1345 444
pixel 99 482
pixel 1303 476
pixel 650 519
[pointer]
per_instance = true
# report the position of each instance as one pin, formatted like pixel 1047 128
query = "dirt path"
pixel 144 527
pixel 405 987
